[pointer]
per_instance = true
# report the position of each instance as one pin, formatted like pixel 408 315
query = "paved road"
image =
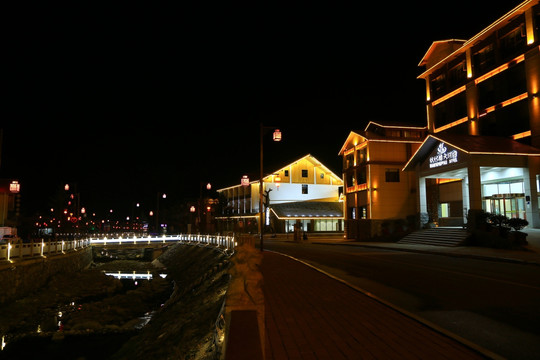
pixel 493 304
pixel 312 316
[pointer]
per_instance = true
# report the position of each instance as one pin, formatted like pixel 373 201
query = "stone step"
pixel 436 237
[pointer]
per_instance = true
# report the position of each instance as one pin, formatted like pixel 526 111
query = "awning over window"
pixel 308 210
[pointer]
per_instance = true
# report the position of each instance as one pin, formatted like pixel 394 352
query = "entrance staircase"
pixel 439 236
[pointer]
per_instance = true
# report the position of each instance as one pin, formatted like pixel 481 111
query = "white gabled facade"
pixel 304 180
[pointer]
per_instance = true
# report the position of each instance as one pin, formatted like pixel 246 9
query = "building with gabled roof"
pixel 304 192
pixel 376 189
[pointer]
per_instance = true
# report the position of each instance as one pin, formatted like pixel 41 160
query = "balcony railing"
pixel 357 187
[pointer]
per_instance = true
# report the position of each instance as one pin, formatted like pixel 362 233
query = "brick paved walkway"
pixel 309 315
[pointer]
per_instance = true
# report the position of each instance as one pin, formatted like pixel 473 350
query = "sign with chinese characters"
pixel 443 157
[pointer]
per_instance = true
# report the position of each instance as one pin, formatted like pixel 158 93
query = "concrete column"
pixel 465 195
pixel 530 188
pixel 475 186
pixel 532 71
pixel 472 108
pixel 422 200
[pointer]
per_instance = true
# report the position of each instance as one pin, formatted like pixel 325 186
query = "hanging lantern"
pixel 277 135
pixel 244 181
pixel 208 186
pixel 15 187
pixel 192 209
pixel 277 180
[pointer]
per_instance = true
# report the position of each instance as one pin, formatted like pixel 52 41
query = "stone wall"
pixel 22 277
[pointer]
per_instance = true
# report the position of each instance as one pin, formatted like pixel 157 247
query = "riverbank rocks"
pixel 186 326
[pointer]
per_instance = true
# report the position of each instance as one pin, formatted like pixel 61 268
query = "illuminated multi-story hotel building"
pixel 482 151
pixel 376 190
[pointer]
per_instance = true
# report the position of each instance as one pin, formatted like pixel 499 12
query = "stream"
pixel 85 315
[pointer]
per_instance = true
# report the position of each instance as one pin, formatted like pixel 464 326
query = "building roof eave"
pixel 472 145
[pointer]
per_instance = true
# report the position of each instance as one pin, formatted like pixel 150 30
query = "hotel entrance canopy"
pixel 449 155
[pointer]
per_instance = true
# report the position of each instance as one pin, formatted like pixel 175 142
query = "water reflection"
pixel 133 275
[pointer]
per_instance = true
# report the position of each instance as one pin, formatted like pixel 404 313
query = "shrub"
pixel 493 230
pixel 498 219
pixel 517 223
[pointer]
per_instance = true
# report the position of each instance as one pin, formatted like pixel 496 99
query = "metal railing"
pixel 19 250
pixel 227 242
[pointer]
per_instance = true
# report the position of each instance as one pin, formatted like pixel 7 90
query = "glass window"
pixel 304 189
pixel 304 173
pixel 457 75
pixel 392 175
pixel 451 109
pixel 438 86
pixel 361 155
pixel 513 42
pixel 362 176
pixel 349 161
pixel 503 86
pixel 484 59
pixel 511 119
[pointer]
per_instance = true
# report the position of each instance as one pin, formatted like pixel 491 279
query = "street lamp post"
pixel 208 187
pixel 276 137
pixel 163 196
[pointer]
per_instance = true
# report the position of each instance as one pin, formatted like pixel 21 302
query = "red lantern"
pixel 15 187
pixel 244 181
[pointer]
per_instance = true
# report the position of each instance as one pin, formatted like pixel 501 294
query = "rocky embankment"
pixel 88 307
pixel 185 327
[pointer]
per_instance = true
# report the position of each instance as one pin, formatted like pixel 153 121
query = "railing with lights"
pixel 19 250
pixel 226 242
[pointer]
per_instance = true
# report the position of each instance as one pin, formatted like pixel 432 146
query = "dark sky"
pixel 130 100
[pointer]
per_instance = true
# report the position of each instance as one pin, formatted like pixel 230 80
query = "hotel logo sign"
pixel 443 157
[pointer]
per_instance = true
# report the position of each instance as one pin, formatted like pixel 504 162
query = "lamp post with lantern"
pixel 276 137
pixel 208 187
pixel 162 196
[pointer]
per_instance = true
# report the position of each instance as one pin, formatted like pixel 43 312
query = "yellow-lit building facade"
pixel 304 192
pixel 376 189
pixel 482 151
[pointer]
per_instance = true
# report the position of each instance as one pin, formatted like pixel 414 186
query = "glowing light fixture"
pixel 529 24
pixel 15 187
pixel 244 181
pixel 277 135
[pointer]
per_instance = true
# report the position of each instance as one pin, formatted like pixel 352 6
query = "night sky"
pixel 130 100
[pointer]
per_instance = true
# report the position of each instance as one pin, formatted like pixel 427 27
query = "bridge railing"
pixel 226 242
pixel 19 250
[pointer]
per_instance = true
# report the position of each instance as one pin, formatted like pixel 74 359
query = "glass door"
pixel 509 205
